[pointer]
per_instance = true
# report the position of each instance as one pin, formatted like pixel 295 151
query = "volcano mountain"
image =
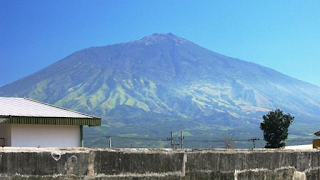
pixel 162 83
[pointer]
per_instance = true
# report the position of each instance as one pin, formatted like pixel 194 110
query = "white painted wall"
pixel 45 135
pixel 5 132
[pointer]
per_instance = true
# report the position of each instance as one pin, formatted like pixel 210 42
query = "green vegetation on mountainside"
pixel 164 83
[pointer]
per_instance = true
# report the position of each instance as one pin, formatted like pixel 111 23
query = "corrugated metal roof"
pixel 24 107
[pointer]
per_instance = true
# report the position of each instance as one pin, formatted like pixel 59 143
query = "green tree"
pixel 275 128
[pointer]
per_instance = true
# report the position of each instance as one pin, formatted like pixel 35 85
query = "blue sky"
pixel 282 35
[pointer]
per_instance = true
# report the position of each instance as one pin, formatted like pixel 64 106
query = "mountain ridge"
pixel 163 76
pixel 157 34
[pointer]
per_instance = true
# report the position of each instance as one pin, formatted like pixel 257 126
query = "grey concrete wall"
pixel 160 164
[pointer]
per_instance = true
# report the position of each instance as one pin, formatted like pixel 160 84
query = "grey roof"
pixel 25 107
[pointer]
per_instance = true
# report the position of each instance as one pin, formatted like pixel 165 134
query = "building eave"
pixel 52 120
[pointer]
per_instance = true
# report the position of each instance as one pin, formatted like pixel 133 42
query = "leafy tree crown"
pixel 275 127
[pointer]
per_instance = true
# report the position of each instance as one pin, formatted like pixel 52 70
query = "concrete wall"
pixel 45 135
pixel 160 164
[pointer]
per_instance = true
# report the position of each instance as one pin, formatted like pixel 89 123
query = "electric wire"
pixel 190 139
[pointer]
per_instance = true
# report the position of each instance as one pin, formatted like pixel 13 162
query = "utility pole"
pixel 253 141
pixel 176 145
pixel 171 140
pixel 110 142
pixel 181 139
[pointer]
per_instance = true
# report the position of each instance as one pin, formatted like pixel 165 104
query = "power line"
pixel 126 137
pixel 190 139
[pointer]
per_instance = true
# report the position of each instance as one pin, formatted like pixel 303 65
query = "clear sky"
pixel 283 35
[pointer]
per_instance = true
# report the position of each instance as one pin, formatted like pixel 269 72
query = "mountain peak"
pixel 157 38
pixel 163 82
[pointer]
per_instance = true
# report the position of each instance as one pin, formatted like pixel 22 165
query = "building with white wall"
pixel 28 123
